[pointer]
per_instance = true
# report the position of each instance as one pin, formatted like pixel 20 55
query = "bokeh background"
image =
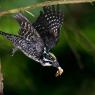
pixel 75 52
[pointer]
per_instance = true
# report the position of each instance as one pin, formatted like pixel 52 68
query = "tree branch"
pixel 46 3
pixel 1 80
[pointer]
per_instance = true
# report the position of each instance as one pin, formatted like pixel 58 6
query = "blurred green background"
pixel 75 52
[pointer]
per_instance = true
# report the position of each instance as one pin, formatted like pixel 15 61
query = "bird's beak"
pixel 59 71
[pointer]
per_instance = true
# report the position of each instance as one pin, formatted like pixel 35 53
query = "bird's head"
pixel 50 60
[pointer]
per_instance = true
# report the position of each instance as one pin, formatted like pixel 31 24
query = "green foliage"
pixel 75 52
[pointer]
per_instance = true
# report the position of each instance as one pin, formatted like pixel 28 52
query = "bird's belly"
pixel 31 56
pixel 32 52
pixel 32 49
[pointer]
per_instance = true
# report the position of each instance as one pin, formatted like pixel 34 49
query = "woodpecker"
pixel 36 39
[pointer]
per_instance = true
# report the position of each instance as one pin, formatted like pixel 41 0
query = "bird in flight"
pixel 36 39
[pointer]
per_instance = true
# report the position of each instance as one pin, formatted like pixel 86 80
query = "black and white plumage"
pixel 35 40
pixel 48 25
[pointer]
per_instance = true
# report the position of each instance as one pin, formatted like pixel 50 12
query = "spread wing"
pixel 28 32
pixel 48 25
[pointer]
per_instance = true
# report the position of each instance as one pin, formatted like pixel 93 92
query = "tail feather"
pixel 8 36
pixel 5 34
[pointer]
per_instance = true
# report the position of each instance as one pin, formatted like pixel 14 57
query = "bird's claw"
pixel 13 51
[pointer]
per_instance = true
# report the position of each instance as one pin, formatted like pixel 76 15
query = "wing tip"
pixel 20 17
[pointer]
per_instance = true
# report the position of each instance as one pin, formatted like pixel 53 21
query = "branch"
pixel 46 3
pixel 1 80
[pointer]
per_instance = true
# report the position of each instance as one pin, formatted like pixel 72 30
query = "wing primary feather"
pixel 19 17
pixel 48 25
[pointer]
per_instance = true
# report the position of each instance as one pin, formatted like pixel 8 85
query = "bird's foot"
pixel 59 72
pixel 13 51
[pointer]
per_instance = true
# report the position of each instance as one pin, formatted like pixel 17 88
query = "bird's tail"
pixel 7 35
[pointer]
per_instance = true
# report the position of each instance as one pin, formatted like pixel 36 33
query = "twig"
pixel 46 3
pixel 1 80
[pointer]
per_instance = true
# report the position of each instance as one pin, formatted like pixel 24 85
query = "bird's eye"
pixel 51 57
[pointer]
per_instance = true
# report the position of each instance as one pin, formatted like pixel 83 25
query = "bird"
pixel 36 39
